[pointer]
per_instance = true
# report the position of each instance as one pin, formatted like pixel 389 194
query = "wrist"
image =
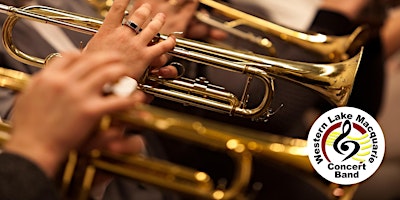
pixel 47 158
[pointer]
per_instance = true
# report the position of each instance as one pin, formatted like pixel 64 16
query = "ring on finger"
pixel 136 28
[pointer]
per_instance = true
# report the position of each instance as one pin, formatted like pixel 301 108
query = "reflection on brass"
pixel 239 143
pixel 331 48
pixel 333 81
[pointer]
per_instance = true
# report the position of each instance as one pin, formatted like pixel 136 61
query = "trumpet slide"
pixel 333 81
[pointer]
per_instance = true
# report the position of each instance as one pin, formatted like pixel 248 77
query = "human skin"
pixel 60 108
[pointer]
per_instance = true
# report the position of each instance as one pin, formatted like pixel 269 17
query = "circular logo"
pixel 346 145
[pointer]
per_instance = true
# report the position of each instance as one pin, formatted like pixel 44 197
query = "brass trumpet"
pixel 333 81
pixel 331 48
pixel 239 143
pixel 103 6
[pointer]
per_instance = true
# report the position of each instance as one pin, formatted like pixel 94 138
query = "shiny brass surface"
pixel 247 36
pixel 331 48
pixel 103 7
pixel 4 133
pixel 13 79
pixel 334 81
pixel 239 143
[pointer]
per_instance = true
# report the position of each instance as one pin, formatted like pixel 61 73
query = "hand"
pixel 180 18
pixel 62 105
pixel 133 47
pixel 179 13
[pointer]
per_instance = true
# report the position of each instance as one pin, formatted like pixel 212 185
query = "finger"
pixel 142 97
pixel 116 14
pixel 140 15
pixel 93 62
pixel 127 145
pixel 63 62
pixel 139 96
pixel 160 61
pixel 168 72
pixel 154 54
pixel 102 138
pixel 108 74
pixel 112 103
pixel 153 27
pixel 162 47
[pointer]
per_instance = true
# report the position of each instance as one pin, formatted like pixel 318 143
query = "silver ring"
pixel 133 26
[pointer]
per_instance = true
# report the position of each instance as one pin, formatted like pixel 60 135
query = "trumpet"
pixel 331 48
pixel 333 81
pixel 103 6
pixel 239 143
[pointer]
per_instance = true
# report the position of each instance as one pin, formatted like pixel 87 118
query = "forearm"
pixel 42 156
pixel 21 179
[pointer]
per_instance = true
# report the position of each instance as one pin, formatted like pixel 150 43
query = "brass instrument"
pixel 333 81
pixel 331 48
pixel 104 5
pixel 241 144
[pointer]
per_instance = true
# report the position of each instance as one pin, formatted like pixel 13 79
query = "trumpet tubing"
pixel 77 180
pixel 239 143
pixel 333 81
pixel 331 48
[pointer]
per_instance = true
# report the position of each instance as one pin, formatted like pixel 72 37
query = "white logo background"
pixel 346 145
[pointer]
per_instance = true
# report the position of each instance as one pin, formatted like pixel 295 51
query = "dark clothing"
pixel 20 179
